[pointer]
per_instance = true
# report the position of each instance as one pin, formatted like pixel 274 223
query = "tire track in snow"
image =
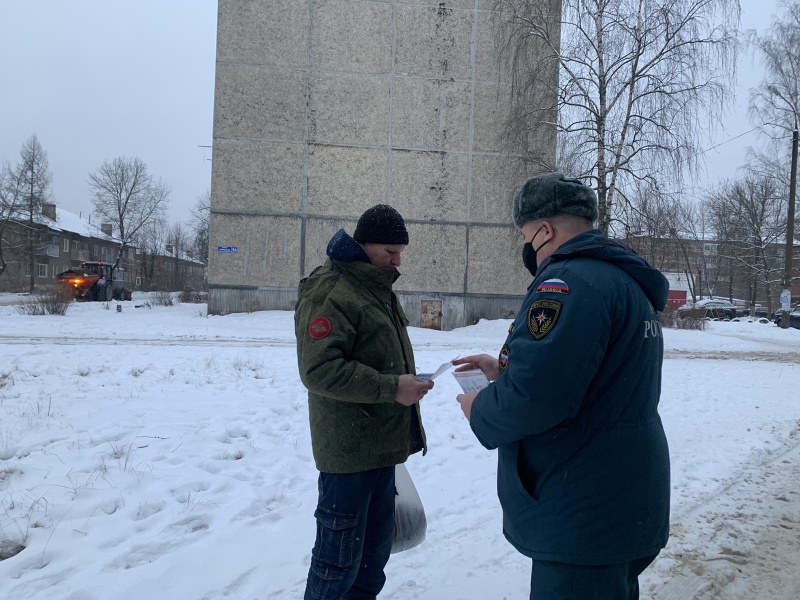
pixel 179 341
pixel 783 357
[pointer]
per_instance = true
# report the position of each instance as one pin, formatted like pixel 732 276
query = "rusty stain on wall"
pixel 431 314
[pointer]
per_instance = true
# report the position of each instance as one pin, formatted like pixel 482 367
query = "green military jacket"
pixel 352 346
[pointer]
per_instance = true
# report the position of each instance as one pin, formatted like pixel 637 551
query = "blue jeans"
pixel 355 527
pixel 562 581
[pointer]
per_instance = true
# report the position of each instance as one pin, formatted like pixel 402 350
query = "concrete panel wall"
pixel 268 253
pixel 324 108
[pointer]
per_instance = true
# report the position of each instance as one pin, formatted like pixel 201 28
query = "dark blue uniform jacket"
pixel 583 462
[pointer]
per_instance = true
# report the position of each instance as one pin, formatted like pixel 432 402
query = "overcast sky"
pixel 731 153
pixel 97 79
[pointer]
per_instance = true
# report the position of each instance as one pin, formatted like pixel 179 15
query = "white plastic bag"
pixel 410 524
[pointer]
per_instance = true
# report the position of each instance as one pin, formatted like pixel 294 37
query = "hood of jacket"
pixel 595 245
pixel 344 248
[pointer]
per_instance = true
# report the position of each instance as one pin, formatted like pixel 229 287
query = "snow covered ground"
pixel 160 453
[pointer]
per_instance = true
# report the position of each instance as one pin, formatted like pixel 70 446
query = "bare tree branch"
pixel 635 79
pixel 201 222
pixel 127 196
pixel 10 207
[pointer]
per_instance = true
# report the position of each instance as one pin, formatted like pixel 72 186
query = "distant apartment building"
pixel 733 269
pixel 169 269
pixel 61 241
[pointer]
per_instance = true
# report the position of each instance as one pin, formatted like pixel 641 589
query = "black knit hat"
pixel 381 224
pixel 552 194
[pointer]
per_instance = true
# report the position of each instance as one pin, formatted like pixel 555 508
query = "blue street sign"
pixel 227 249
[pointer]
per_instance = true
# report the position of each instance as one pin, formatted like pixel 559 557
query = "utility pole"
pixel 786 296
pixel 789 252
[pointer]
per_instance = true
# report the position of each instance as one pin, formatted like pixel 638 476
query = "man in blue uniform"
pixel 583 462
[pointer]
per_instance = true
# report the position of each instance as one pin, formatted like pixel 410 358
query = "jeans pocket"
pixel 335 537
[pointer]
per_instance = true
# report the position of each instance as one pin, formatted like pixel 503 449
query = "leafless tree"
pixel 32 180
pixel 10 197
pixel 691 228
pixel 775 108
pixel 637 79
pixel 773 161
pixel 650 217
pixel 178 241
pixel 201 221
pixel 775 102
pixel 151 242
pixel 126 195
pixel 750 213
pixel 665 230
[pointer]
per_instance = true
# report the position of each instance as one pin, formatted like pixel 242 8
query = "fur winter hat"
pixel 381 224
pixel 551 194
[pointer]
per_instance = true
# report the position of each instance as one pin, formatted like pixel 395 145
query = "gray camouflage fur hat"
pixel 551 194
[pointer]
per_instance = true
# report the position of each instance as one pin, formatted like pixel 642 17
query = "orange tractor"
pixel 94 281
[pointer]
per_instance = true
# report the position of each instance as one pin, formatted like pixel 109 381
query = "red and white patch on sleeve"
pixel 319 328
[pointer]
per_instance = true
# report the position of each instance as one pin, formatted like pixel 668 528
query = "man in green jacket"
pixel 356 361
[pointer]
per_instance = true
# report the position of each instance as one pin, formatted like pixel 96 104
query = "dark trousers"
pixel 562 581
pixel 355 527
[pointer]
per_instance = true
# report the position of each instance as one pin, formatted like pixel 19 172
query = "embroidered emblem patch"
pixel 319 328
pixel 511 328
pixel 505 351
pixel 556 286
pixel 542 317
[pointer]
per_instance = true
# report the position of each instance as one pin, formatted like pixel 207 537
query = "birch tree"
pixel 126 195
pixel 640 83
pixel 775 102
pixel 775 109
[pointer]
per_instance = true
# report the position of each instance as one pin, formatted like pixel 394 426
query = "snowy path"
pixel 779 354
pixel 752 534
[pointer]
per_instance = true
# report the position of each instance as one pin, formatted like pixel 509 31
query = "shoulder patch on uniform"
pixel 556 286
pixel 542 317
pixel 502 360
pixel 511 327
pixel 319 328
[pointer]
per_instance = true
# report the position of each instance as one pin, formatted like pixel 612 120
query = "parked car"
pixel 711 308
pixel 759 312
pixel 794 317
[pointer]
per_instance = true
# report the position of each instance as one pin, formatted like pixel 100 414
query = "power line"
pixel 702 152
pixel 726 141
